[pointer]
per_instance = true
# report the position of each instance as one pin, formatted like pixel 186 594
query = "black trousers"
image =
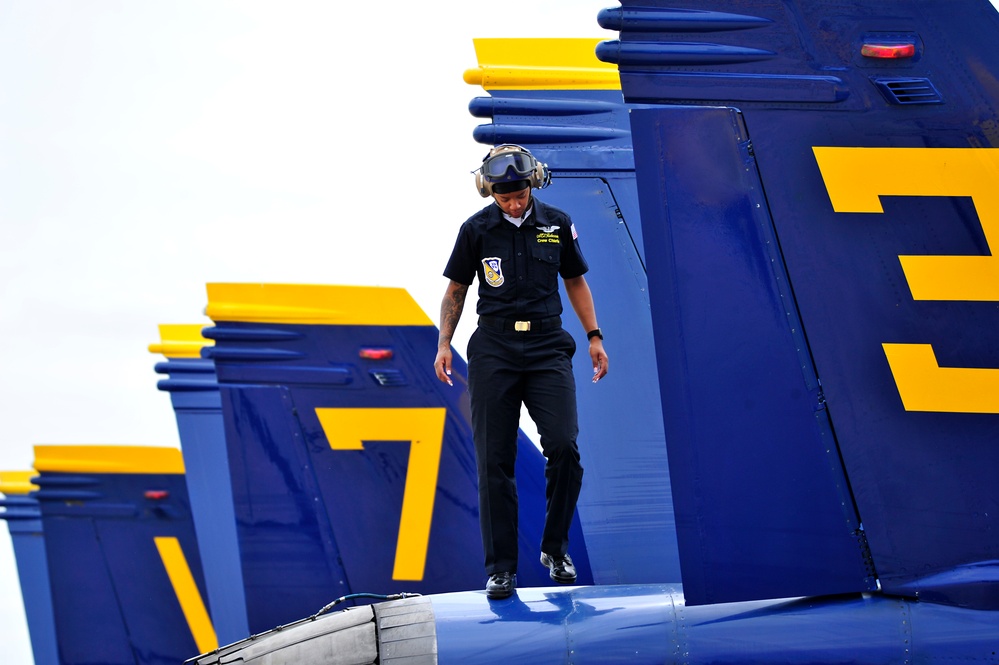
pixel 505 370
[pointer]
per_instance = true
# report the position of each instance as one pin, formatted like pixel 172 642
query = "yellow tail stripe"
pixel 180 340
pixel 108 459
pixel 17 482
pixel 187 593
pixel 314 304
pixel 541 64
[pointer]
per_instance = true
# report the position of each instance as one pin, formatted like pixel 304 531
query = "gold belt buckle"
pixel 521 326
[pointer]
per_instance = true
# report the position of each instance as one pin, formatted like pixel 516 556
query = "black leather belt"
pixel 512 325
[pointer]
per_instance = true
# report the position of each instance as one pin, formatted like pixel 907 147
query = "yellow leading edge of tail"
pixel 187 592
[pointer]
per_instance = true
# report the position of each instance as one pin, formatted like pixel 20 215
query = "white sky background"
pixel 148 148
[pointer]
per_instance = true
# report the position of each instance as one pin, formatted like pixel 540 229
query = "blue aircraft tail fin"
pixel 123 563
pixel 817 184
pixel 352 465
pixel 24 520
pixel 555 98
pixel 194 395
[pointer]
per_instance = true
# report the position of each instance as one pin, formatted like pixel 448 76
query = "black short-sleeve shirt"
pixel 518 268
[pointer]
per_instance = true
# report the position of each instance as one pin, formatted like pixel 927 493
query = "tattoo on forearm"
pixel 451 306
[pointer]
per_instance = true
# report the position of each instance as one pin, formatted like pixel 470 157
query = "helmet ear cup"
pixel 481 184
pixel 541 177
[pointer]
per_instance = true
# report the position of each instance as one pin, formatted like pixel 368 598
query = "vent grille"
pixel 908 91
pixel 389 377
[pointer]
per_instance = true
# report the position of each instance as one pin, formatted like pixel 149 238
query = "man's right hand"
pixel 451 306
pixel 442 365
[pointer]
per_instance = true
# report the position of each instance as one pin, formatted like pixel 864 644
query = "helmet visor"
pixel 498 166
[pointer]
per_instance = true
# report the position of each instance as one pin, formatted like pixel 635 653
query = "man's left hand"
pixel 599 358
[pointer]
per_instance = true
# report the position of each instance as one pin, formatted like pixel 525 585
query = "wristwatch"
pixel 596 332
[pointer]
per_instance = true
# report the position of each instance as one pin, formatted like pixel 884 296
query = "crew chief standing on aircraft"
pixel 518 247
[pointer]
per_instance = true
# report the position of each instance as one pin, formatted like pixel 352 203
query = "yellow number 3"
pixel 854 186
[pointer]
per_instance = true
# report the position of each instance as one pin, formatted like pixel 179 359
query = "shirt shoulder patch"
pixel 493 271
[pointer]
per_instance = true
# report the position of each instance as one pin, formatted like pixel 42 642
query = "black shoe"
pixel 560 568
pixel 501 585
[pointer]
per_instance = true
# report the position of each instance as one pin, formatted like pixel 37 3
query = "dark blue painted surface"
pixel 194 394
pixel 920 480
pixel 113 601
pixel 24 520
pixel 652 624
pixel 625 507
pixel 935 520
pixel 762 505
pixel 314 523
pixel 633 624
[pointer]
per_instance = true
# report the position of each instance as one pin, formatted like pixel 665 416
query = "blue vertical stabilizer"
pixel 24 520
pixel 194 394
pixel 819 179
pixel 126 579
pixel 352 465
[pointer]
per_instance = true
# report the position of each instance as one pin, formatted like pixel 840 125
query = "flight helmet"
pixel 508 168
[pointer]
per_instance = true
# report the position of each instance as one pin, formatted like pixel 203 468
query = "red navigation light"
pixel 156 495
pixel 888 51
pixel 376 354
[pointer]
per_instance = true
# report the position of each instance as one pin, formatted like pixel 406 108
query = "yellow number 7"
pixel 347 429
